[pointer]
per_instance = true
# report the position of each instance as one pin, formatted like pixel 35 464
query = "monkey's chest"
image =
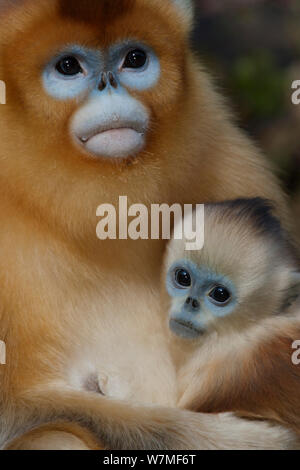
pixel 123 353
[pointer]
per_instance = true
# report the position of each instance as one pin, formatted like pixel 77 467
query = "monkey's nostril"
pixel 103 82
pixel 194 302
pixel 107 78
pixel 112 80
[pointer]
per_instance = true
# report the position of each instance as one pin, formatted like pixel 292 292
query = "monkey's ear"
pixel 293 291
pixel 186 8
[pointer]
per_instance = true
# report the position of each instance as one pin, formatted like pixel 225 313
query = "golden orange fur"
pixel 71 306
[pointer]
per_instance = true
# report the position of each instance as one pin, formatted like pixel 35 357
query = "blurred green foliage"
pixel 259 85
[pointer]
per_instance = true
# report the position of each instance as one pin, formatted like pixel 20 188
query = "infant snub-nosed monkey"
pixel 230 314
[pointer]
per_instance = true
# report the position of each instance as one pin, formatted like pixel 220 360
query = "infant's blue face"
pixel 198 295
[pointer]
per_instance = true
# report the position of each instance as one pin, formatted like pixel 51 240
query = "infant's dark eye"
pixel 135 59
pixel 183 278
pixel 69 65
pixel 220 295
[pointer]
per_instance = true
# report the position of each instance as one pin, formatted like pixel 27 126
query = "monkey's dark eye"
pixel 220 295
pixel 183 278
pixel 135 59
pixel 69 65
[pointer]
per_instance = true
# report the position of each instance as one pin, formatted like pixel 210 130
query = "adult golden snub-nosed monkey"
pixel 91 97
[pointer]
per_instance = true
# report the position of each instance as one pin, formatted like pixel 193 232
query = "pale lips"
pixel 185 329
pixel 114 142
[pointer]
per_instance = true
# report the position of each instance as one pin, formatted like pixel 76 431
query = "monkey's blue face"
pixel 198 296
pixel 111 123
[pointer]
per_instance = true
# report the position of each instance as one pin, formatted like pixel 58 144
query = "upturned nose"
pixel 192 303
pixel 107 79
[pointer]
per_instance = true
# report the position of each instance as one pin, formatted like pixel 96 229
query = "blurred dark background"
pixel 252 48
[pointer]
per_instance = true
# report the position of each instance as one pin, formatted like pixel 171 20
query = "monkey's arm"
pixel 56 436
pixel 121 426
pixel 259 381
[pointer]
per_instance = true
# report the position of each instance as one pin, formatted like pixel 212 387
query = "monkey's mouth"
pixel 116 140
pixel 185 329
